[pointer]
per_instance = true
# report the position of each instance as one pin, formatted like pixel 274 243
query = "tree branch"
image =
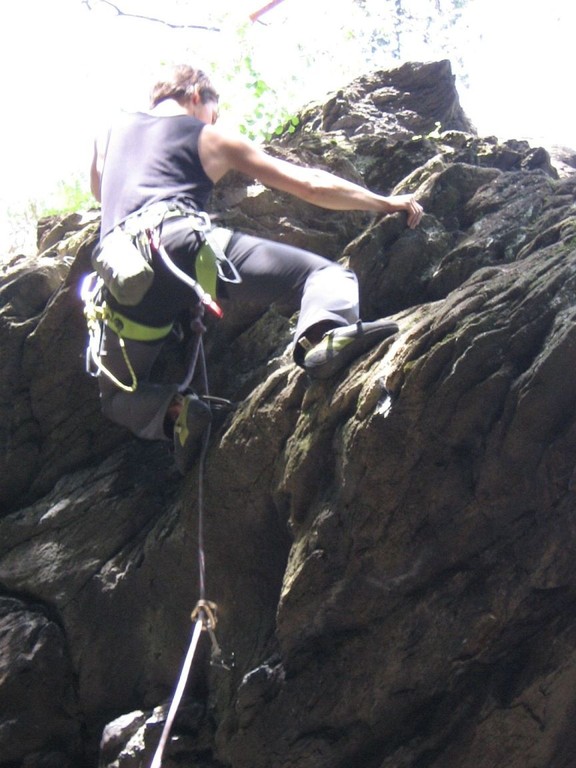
pixel 120 12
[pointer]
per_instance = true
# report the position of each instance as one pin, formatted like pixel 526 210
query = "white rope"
pixel 204 615
pixel 157 761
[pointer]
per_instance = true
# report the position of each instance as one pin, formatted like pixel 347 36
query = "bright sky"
pixel 62 66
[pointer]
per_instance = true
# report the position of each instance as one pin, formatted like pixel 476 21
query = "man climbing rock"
pixel 168 159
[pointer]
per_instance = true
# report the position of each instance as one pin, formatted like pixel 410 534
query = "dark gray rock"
pixel 390 551
pixel 38 698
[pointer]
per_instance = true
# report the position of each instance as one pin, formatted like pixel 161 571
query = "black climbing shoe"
pixel 340 346
pixel 189 430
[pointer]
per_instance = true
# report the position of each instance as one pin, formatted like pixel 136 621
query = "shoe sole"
pixel 364 337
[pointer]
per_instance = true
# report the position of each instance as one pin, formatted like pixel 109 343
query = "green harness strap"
pixel 97 313
pixel 206 269
pixel 130 329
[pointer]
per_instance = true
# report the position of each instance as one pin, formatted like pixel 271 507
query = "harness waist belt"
pixel 130 329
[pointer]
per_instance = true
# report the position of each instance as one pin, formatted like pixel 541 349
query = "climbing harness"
pixel 99 313
pixel 117 263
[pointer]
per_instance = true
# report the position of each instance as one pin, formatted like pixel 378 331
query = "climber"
pixel 172 155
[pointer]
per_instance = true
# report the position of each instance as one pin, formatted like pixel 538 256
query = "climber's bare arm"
pixel 221 152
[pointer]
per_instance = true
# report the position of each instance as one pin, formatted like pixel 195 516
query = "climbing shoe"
pixel 189 429
pixel 342 345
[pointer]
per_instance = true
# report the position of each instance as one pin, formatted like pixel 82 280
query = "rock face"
pixel 391 551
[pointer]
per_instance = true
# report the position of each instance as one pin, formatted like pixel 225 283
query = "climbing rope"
pixel 204 617
pixel 204 614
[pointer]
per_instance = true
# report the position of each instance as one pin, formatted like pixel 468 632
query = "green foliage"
pixel 288 127
pixel 402 30
pixel 265 112
pixel 21 217
pixel 67 197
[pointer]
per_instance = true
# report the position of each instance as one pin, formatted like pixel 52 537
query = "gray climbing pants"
pixel 271 272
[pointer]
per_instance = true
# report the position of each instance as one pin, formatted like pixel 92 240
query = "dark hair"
pixel 181 83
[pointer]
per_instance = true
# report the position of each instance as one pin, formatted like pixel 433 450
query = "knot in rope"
pixel 205 612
